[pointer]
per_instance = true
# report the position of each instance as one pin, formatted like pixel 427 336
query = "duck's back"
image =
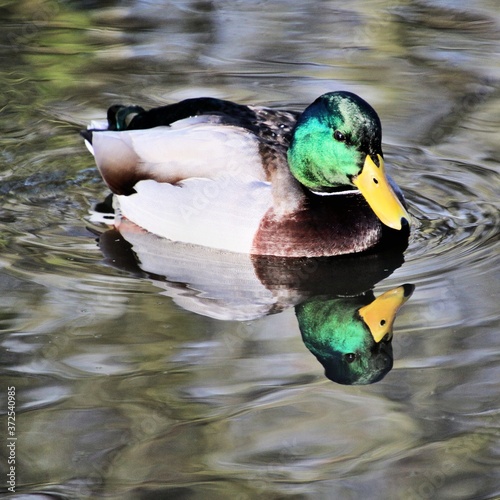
pixel 197 138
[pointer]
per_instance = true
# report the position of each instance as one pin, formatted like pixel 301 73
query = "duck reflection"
pixel 352 337
pixel 341 322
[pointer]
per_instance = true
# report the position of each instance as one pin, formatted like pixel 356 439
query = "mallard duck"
pixel 253 180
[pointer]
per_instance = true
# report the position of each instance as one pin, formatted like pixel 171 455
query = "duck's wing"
pixel 195 138
pixel 267 124
pixel 191 148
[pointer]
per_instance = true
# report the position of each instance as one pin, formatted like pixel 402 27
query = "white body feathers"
pixel 205 182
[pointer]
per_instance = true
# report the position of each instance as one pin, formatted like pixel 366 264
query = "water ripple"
pixel 456 220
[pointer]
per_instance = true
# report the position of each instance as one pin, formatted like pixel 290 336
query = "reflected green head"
pixel 334 332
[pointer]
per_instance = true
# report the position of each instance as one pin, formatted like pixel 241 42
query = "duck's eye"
pixel 339 136
pixel 350 357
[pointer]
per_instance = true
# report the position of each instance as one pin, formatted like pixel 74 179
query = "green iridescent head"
pixel 337 144
pixel 332 139
pixel 351 337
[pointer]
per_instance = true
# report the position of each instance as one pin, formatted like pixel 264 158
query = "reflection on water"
pixel 351 337
pixel 126 392
pixel 341 322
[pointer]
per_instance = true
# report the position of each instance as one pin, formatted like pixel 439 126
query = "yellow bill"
pixel 374 186
pixel 379 316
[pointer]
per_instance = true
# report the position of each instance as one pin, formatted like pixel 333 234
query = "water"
pixel 130 386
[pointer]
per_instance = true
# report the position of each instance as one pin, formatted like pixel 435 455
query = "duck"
pixel 251 179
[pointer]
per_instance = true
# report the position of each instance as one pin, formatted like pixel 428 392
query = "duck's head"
pixel 352 337
pixel 336 145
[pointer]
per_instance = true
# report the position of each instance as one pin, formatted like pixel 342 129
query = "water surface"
pixel 130 386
